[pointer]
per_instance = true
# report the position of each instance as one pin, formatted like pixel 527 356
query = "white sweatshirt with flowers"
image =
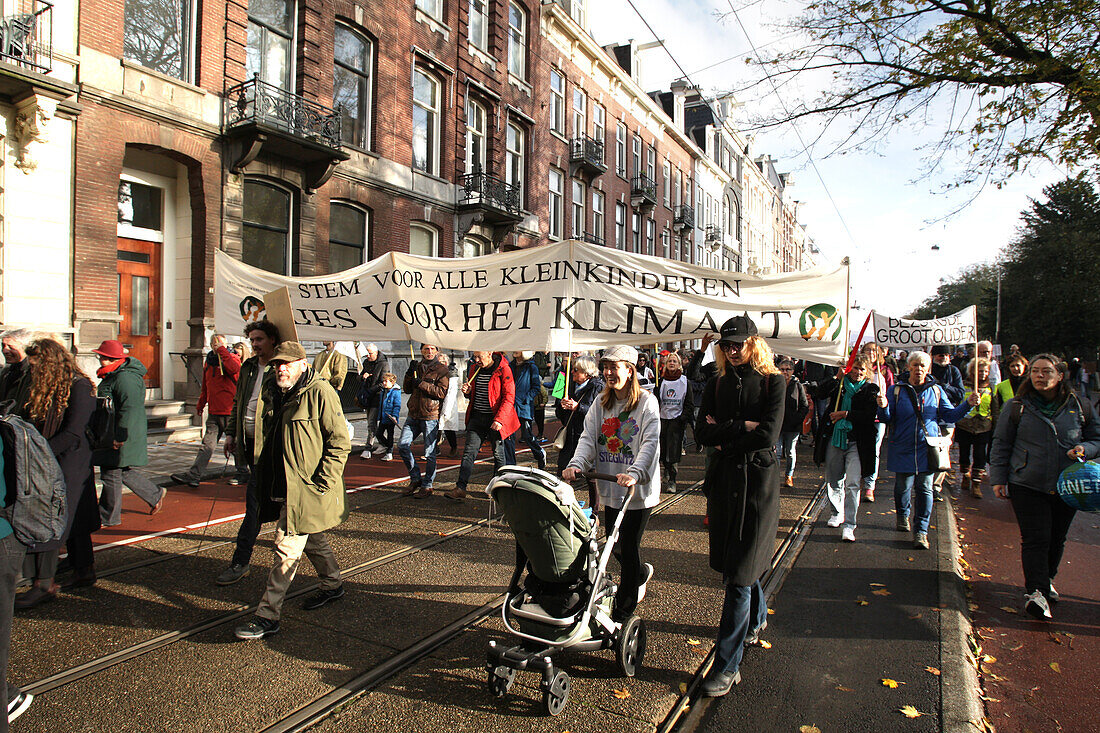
pixel 615 441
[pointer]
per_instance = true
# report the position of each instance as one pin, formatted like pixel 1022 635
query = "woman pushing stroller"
pixel 621 436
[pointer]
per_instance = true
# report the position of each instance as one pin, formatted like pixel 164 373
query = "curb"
pixel 961 708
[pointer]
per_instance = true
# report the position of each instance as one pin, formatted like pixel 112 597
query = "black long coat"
pixel 742 482
pixel 861 415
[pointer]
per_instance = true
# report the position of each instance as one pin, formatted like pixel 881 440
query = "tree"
pixel 1013 81
pixel 1050 300
pixel 974 285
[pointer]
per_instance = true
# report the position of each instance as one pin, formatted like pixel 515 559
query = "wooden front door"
pixel 139 303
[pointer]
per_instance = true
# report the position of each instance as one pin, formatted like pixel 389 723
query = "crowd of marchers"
pixel 622 412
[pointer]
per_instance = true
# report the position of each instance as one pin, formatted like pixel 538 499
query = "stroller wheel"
pixel 500 680
pixel 630 645
pixel 556 694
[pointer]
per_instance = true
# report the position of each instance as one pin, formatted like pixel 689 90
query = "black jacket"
pixel 951 379
pixel 371 387
pixel 861 415
pixel 797 405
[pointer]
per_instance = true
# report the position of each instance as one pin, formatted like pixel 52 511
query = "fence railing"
pixel 482 188
pixel 26 37
pixel 256 101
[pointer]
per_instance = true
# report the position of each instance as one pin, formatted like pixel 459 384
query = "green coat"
pixel 315 449
pixel 126 387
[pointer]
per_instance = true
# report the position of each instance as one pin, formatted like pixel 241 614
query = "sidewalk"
pixel 849 617
pixel 1037 676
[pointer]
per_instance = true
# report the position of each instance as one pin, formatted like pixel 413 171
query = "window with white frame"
pixel 620 149
pixel 650 235
pixel 557 196
pixel 651 163
pixel 677 191
pixel 423 240
pixel 351 85
pixel 636 157
pixel 160 35
pixel 479 24
pixel 666 244
pixel 425 134
pixel 517 41
pixel 514 157
pixel 597 213
pixel 475 246
pixel 620 225
pixel 599 123
pixel 580 118
pixel 557 101
pixel 433 8
pixel 475 136
pixel 666 183
pixel 266 227
pixel 576 11
pixel 577 209
pixel 637 229
pixel 270 34
pixel 347 237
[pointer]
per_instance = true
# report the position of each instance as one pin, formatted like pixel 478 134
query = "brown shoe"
pixel 422 493
pixel 455 494
pixel 411 489
pixel 789 481
pixel 36 596
pixel 159 505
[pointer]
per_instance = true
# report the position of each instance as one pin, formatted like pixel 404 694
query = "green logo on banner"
pixel 821 322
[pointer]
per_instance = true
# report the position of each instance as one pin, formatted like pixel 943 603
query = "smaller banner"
pixel 900 333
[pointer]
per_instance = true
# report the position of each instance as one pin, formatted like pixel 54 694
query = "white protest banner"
pixel 556 297
pixel 900 333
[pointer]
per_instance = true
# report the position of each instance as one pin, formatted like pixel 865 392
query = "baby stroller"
pixel 565 600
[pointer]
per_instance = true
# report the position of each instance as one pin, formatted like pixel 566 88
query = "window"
pixel 351 85
pixel 557 102
pixel 557 184
pixel 140 206
pixel 651 164
pixel 578 209
pixel 678 191
pixel 265 237
pixel 650 233
pixel 597 213
pixel 425 137
pixel 479 24
pixel 423 240
pixel 580 120
pixel 433 8
pixel 517 41
pixel 620 149
pixel 666 183
pixel 576 11
pixel 158 35
pixel 270 30
pixel 599 122
pixel 620 225
pixel 636 157
pixel 637 228
pixel 733 218
pixel 347 237
pixel 666 244
pixel 475 246
pixel 475 137
pixel 514 160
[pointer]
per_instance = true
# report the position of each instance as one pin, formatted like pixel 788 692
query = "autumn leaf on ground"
pixel 1009 609
pixel 683 688
pixel 842 688
pixel 880 592
pixel 989 659
pixel 984 575
pixel 972 606
pixel 694 642
pixel 765 644
pixel 862 601
pixel 932 670
pixel 771 611
pixel 909 559
pixel 1056 667
pixel 1016 648
pixel 621 694
pixel 915 616
pixel 910 712
pixel 892 684
pixel 809 729
pixel 878 585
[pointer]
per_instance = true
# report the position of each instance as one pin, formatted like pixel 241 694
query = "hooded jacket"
pixel 528 381
pixel 502 395
pixel 126 388
pixel 219 381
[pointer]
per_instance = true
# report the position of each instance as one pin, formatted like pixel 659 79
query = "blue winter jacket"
pixel 908 449
pixel 391 404
pixel 528 380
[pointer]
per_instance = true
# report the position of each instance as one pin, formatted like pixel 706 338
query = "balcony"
pixel 592 238
pixel 587 154
pixel 493 201
pixel 26 38
pixel 643 192
pixel 713 237
pixel 268 118
pixel 683 217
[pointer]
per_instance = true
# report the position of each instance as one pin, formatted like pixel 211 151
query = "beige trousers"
pixel 288 552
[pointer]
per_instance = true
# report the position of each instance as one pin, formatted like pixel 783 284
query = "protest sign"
pixel 900 333
pixel 562 296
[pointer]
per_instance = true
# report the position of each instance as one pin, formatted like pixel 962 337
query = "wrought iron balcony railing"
pixel 683 217
pixel 26 37
pixel 592 238
pixel 588 152
pixel 643 190
pixel 257 102
pixel 486 190
pixel 713 233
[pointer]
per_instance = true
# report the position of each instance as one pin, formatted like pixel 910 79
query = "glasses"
pixel 730 345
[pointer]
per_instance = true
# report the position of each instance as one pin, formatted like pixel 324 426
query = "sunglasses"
pixel 730 345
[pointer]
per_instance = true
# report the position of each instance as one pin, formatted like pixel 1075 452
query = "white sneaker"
pixel 836 520
pixel 1053 595
pixel 648 575
pixel 366 454
pixel 388 457
pixel 848 535
pixel 1036 604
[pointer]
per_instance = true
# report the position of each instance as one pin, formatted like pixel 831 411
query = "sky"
pixel 881 214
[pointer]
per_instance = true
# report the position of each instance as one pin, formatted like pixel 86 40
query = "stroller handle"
pixel 601 476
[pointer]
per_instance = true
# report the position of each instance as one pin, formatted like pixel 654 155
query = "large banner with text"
pixel 564 296
pixel 900 333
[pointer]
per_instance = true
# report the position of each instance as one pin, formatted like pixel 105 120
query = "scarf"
pixel 844 425
pixel 106 369
pixel 1047 407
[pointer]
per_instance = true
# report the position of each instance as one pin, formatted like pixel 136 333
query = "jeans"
pixel 250 525
pixel 384 434
pixel 842 478
pixel 788 442
pixel 628 550
pixel 528 437
pixel 980 443
pixel 477 432
pixel 1044 521
pixel 430 430
pixel 11 561
pixel 743 610
pixel 110 501
pixel 215 429
pixel 880 433
pixel 920 486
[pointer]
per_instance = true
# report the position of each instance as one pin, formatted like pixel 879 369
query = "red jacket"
pixel 219 381
pixel 502 396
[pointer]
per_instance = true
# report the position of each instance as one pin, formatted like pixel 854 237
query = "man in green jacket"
pixel 300 475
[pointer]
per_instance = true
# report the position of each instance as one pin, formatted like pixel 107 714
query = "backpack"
pixel 38 514
pixel 100 430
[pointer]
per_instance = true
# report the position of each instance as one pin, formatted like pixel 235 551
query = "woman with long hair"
pixel 740 417
pixel 621 437
pixel 1041 431
pixel 883 376
pixel 60 404
pixel 974 432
